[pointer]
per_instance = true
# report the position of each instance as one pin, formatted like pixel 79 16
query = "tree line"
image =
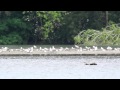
pixel 51 27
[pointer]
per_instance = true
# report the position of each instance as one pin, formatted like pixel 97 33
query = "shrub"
pixel 107 36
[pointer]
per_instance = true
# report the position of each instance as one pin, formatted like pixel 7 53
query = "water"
pixel 59 67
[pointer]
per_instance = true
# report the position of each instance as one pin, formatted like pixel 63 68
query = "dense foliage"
pixel 107 36
pixel 59 27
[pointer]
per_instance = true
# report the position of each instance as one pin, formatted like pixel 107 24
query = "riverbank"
pixel 62 53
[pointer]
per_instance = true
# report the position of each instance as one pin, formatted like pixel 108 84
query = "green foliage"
pixel 14 31
pixel 76 21
pixel 3 27
pixel 12 38
pixel 16 23
pixel 44 22
pixel 59 27
pixel 107 36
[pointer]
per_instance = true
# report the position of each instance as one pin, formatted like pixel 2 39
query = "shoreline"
pixel 62 53
pixel 59 51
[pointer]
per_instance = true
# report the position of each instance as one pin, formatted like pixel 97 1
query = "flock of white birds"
pixel 52 48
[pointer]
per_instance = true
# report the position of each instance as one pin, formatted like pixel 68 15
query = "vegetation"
pixel 60 27
pixel 107 36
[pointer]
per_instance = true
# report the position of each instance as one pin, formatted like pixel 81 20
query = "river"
pixel 59 67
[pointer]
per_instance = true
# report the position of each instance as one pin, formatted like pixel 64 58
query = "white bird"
pixel 88 48
pixel 11 50
pixel 109 48
pixel 72 48
pixel 21 48
pixel 50 49
pixel 34 46
pixel 53 48
pixel 31 49
pixel 40 48
pixel 76 46
pixel 57 50
pixel 102 49
pixel 95 48
pixel 81 49
pixel 116 49
pixel 4 48
pixel 46 49
pixel 66 48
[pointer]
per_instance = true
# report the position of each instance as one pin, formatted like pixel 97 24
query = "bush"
pixel 12 38
pixel 107 36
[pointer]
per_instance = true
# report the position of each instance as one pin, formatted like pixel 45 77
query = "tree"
pixel 43 23
pixel 13 29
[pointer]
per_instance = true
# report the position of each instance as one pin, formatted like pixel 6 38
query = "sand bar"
pixel 62 53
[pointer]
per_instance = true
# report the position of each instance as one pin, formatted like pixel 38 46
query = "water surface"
pixel 59 67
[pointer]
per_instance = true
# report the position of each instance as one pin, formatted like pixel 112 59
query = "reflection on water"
pixel 59 67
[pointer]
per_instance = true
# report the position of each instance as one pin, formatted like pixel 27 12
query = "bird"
pixel 34 46
pixel 88 48
pixel 109 48
pixel 76 46
pixel 93 63
pixel 102 49
pixel 90 63
pixel 95 48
